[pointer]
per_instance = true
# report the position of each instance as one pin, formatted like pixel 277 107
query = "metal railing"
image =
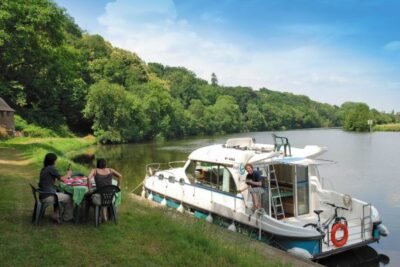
pixel 358 228
pixel 152 168
pixel 172 163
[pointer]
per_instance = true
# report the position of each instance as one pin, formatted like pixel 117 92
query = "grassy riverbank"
pixel 34 149
pixel 144 236
pixel 393 127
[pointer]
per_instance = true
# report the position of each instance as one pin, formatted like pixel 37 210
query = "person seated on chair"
pixel 254 183
pixel 102 177
pixel 48 176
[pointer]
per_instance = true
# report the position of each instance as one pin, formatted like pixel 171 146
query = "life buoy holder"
pixel 341 242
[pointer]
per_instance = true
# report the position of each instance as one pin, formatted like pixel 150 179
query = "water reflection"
pixel 130 159
pixel 367 169
pixel 364 256
pixel 85 159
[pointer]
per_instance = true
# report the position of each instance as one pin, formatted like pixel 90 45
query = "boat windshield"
pixel 212 175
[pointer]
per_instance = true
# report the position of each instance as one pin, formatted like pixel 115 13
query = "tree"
pixel 214 79
pixel 224 116
pixel 195 116
pixel 117 115
pixel 183 85
pixel 125 68
pixel 255 120
pixel 157 69
pixel 39 69
pixel 356 117
pixel 242 95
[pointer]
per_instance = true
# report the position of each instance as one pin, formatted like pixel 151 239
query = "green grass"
pixel 144 236
pixel 35 149
pixel 393 127
pixel 33 130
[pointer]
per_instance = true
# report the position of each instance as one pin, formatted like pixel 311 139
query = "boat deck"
pixel 358 232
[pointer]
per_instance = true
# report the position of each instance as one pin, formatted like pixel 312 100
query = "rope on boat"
pixel 137 187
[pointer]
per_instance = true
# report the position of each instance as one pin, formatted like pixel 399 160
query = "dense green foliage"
pixel 57 76
pixel 40 68
pixel 355 116
pixel 116 114
pixel 33 130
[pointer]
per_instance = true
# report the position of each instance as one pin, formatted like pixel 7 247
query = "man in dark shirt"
pixel 48 176
pixel 255 183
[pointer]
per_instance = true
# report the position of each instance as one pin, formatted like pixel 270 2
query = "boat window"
pixel 226 182
pixel 302 190
pixel 211 175
pixel 191 171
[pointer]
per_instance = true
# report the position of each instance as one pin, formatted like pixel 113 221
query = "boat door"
pixel 293 183
pixel 299 176
pixel 302 190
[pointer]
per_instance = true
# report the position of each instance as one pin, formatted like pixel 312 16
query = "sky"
pixel 332 51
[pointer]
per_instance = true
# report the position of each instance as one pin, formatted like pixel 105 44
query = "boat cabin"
pixel 220 168
pixel 215 176
pixel 291 186
pixel 288 184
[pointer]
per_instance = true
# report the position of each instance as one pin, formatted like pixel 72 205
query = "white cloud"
pixel 392 46
pixel 155 32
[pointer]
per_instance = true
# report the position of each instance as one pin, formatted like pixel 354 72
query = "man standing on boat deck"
pixel 255 184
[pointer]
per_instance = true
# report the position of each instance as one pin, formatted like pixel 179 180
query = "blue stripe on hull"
pixel 157 198
pixel 312 246
pixel 200 215
pixel 172 204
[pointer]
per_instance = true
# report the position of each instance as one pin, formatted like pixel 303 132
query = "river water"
pixel 368 168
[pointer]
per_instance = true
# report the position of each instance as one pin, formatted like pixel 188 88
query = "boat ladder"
pixel 276 200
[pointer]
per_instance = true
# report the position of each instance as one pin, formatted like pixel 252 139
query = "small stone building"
pixel 7 117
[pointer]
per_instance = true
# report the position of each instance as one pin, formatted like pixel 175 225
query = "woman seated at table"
pixel 102 177
pixel 48 176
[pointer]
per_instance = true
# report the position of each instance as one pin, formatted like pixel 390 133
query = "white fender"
pixel 150 196
pixel 180 208
pixel 375 215
pixel 300 252
pixel 164 202
pixel 383 230
pixel 232 227
pixel 209 218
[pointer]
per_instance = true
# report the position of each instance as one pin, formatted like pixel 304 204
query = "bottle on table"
pixel 69 172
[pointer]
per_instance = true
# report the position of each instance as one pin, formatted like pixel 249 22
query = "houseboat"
pixel 297 214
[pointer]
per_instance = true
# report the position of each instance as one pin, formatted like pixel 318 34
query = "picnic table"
pixel 78 188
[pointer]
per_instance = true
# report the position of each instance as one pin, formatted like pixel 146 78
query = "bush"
pixel 356 117
pixel 394 127
pixel 32 130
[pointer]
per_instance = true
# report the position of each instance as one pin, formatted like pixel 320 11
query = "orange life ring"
pixel 343 240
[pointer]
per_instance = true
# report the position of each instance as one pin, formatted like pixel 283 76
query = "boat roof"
pixel 302 161
pixel 245 150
